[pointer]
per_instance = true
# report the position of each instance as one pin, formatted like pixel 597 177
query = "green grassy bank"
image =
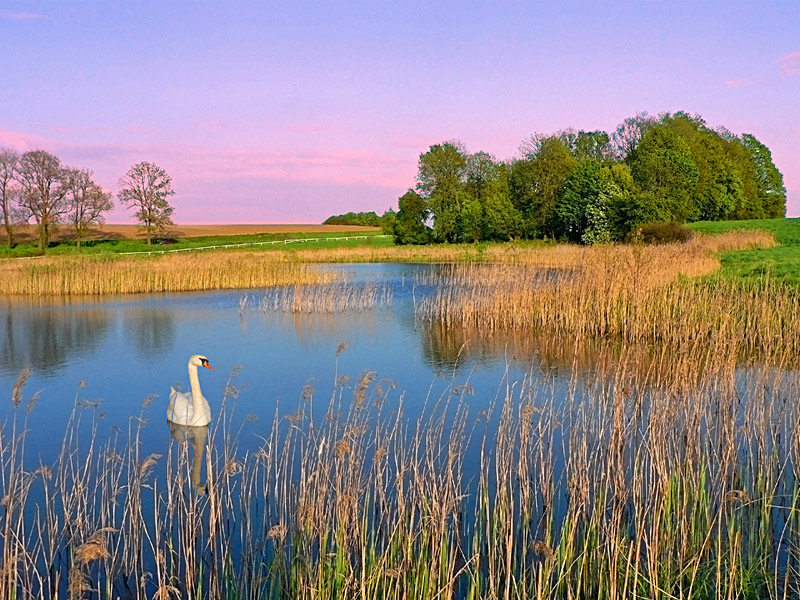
pixel 781 262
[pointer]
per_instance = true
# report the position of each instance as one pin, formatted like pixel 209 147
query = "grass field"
pixel 781 262
pixel 128 238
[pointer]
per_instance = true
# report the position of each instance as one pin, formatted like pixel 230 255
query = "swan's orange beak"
pixel 204 362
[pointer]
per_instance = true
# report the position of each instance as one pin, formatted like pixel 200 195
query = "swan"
pixel 192 408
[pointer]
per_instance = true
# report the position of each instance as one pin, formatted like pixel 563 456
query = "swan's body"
pixel 190 408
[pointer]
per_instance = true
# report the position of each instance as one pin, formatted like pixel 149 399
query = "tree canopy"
pixel 592 186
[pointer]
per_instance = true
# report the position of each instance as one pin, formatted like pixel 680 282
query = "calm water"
pixel 130 348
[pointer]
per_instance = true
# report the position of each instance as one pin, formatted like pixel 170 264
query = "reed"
pixel 92 275
pixel 628 293
pixel 611 487
pixel 320 299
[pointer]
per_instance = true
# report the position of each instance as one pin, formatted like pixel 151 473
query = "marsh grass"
pixel 320 299
pixel 632 294
pixel 92 275
pixel 607 486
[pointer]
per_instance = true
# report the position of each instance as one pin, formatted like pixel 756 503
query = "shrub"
pixel 661 233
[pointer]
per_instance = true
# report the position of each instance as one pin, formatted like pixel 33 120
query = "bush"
pixel 660 233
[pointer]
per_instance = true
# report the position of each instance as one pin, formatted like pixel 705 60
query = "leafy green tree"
pixel 440 181
pixel 146 187
pixel 718 191
pixel 387 222
pixel 410 224
pixel 45 184
pixel 586 186
pixel 663 166
pixel 769 180
pixel 8 191
pixel 536 185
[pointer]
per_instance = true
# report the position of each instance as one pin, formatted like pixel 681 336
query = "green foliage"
pixel 440 181
pixel 770 191
pixel 536 186
pixel 592 187
pixel 364 219
pixel 410 224
pixel 663 166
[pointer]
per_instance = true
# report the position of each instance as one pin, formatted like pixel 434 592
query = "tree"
pixel 585 186
pixel 88 202
pixel 8 192
pixel 630 132
pixel 663 166
pixel 410 223
pixel 536 185
pixel 146 188
pixel 45 184
pixel 440 179
pixel 769 180
pixel 592 144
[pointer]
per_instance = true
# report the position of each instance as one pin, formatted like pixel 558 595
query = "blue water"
pixel 129 348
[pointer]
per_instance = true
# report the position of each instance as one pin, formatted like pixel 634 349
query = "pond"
pixel 365 450
pixel 116 352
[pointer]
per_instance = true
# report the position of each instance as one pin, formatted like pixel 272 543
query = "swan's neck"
pixel 194 382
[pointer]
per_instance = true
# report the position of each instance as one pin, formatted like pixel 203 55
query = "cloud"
pixel 16 15
pixel 789 64
pixel 737 83
pixel 21 142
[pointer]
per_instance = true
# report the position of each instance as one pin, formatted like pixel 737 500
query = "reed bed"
pixel 629 293
pixel 327 298
pixel 605 487
pixel 92 275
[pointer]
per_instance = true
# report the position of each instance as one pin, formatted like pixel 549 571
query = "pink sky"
pixel 291 112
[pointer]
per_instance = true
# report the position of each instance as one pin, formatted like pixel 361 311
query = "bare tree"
pixel 8 191
pixel 146 187
pixel 88 202
pixel 45 184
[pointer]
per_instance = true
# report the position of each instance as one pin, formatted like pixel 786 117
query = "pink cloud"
pixel 16 15
pixel 789 64
pixel 21 142
pixel 737 83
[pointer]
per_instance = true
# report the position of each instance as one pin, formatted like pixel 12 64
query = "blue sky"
pixel 279 112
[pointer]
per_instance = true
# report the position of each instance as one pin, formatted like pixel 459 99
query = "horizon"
pixel 289 114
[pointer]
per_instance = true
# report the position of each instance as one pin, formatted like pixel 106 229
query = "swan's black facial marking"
pixel 204 362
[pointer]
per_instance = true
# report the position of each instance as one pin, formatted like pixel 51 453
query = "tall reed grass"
pixel 608 487
pixel 630 293
pixel 91 275
pixel 320 299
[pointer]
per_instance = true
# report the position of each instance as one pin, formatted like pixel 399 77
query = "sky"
pixel 290 112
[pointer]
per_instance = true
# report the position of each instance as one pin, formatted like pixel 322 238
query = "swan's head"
pixel 198 360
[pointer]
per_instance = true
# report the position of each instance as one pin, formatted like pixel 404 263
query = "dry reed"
pixel 93 275
pixel 608 487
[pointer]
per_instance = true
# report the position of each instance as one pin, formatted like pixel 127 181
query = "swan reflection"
pixel 196 434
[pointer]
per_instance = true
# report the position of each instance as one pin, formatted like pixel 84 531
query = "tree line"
pixel 590 186
pixel 36 186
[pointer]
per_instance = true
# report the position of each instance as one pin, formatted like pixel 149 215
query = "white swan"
pixel 192 408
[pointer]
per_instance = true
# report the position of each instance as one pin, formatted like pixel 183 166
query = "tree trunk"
pixel 44 237
pixel 9 232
